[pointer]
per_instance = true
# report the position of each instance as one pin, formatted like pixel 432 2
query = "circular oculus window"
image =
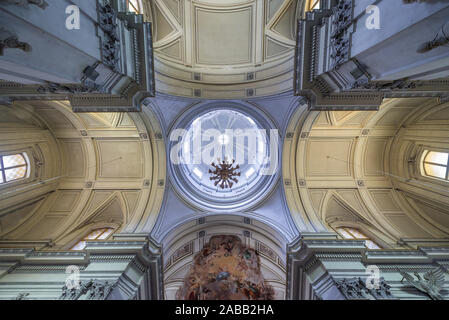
pixel 221 159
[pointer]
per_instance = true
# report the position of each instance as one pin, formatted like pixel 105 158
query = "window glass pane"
pixel 437 157
pixel 357 234
pixel 15 174
pixel 79 246
pixel 371 245
pixel 94 234
pixel 105 234
pixel 134 6
pixel 1 177
pixel 13 161
pixel 435 171
pixel 345 234
pixel 97 234
pixel 314 4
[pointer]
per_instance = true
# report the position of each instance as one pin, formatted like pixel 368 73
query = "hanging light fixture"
pixel 225 174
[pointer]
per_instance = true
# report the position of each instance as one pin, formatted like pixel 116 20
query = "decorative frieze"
pixel 121 269
pixel 110 44
pixel 357 289
pixel 431 283
pixel 88 290
pixel 341 32
pixel 337 269
pixel 401 84
pixel 333 75
pixel 57 88
pixel 119 81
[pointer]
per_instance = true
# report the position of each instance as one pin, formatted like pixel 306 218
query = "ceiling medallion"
pixel 225 174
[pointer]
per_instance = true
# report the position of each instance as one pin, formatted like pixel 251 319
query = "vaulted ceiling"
pixel 87 171
pixel 362 169
pixel 252 56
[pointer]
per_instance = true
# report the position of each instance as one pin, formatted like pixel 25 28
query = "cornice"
pixel 323 249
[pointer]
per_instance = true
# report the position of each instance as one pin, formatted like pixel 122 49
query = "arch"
pixel 189 64
pixel 90 159
pixel 182 243
pixel 201 199
pixel 366 167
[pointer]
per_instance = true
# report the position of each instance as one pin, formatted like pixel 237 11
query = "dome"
pixel 221 159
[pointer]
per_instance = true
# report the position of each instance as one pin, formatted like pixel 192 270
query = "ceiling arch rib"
pixel 281 25
pixel 167 26
pixel 252 57
pixel 373 159
pixel 112 171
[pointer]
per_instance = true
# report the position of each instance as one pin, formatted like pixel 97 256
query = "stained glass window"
pixel 436 164
pixel 134 6
pixel 312 4
pixel 97 234
pixel 351 233
pixel 13 167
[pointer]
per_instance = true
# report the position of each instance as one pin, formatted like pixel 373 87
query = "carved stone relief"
pixel 431 283
pixel 88 290
pixel 340 39
pixel 57 88
pixel 110 45
pixel 355 289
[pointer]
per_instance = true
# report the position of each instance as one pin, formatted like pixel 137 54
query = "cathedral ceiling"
pixel 87 171
pixel 362 169
pixel 187 240
pixel 263 202
pixel 252 56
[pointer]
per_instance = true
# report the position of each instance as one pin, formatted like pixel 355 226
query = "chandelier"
pixel 224 174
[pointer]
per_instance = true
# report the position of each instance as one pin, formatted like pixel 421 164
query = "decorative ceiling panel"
pixel 223 37
pixel 221 49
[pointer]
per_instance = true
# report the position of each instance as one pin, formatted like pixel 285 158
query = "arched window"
pixel 13 167
pixel 436 164
pixel 351 233
pixel 134 6
pixel 312 4
pixel 97 234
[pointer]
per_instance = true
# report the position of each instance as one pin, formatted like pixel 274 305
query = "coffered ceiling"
pixel 223 49
pixel 362 169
